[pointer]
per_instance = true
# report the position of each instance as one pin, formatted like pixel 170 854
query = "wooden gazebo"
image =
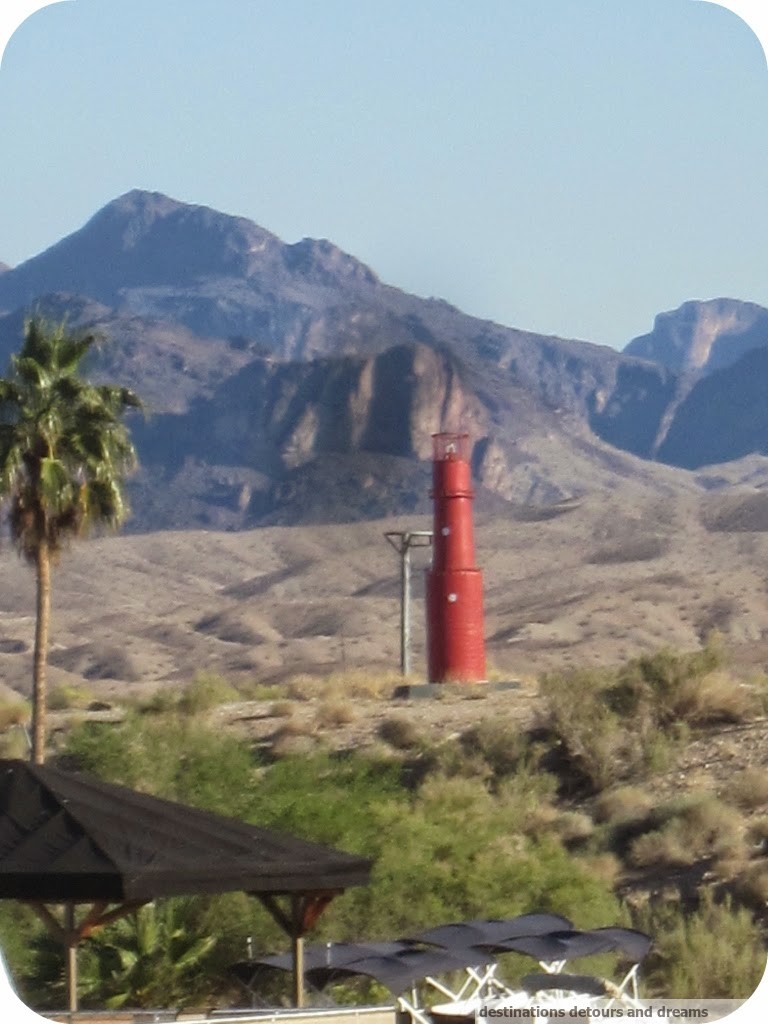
pixel 100 851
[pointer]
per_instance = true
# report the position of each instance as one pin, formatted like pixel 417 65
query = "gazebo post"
pixel 305 909
pixel 297 948
pixel 71 938
pixel 70 934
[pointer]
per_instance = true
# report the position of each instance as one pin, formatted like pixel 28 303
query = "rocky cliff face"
pixel 703 336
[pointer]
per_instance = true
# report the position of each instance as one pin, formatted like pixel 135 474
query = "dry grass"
pixel 292 745
pixel 574 827
pixel 716 698
pixel 294 726
pixel 66 696
pixel 333 713
pixel 359 684
pixel 694 827
pixel 662 848
pixel 282 708
pixel 749 788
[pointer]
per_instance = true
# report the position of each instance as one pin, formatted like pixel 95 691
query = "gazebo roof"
pixel 69 837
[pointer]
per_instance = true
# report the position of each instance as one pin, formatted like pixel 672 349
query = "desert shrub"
pixel 757 832
pixel 749 789
pixel 295 726
pixel 15 743
pixel 640 548
pixel 283 708
pixel 751 885
pixel 587 734
pixel 363 684
pixel 332 713
pixel 360 684
pixel 684 830
pixel 206 691
pixel 574 827
pixel 67 695
pixel 661 689
pixel 303 687
pixel 448 757
pixel 400 732
pixel 611 726
pixel 623 804
pixel 605 867
pixel 662 847
pixel 163 701
pixel 525 795
pixel 717 698
pixel 256 691
pixel 19 930
pixel 500 744
pixel 295 737
pixel 717 952
pixel 14 712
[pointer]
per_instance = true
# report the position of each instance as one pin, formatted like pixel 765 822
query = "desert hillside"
pixel 594 582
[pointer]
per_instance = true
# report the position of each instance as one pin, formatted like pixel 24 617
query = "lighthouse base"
pixel 455 640
pixel 439 691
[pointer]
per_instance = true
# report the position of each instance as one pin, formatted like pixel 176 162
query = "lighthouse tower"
pixel 455 637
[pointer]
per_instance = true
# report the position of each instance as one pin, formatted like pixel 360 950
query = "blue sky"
pixel 566 166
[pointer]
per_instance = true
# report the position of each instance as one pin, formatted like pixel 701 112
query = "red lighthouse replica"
pixel 455 639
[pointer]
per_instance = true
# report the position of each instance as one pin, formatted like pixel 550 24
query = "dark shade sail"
pixel 487 932
pixel 69 837
pixel 400 970
pixel 570 945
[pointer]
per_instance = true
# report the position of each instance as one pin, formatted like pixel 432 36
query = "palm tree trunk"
pixel 39 694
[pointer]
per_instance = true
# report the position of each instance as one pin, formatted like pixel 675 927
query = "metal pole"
pixel 402 542
pixel 405 609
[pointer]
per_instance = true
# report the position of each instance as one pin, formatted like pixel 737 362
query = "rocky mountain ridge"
pixel 287 382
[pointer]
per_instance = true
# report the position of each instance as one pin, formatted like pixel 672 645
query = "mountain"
pixel 287 383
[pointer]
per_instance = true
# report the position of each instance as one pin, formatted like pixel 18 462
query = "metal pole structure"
pixel 405 611
pixel 402 541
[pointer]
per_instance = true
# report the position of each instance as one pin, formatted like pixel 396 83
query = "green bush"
pixel 606 727
pixel 588 736
pixel 177 758
pixel 717 952
pixel 206 691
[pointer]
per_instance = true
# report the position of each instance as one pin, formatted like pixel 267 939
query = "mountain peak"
pixel 703 335
pixel 325 262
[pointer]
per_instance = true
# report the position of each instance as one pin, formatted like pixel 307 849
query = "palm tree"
pixel 64 451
